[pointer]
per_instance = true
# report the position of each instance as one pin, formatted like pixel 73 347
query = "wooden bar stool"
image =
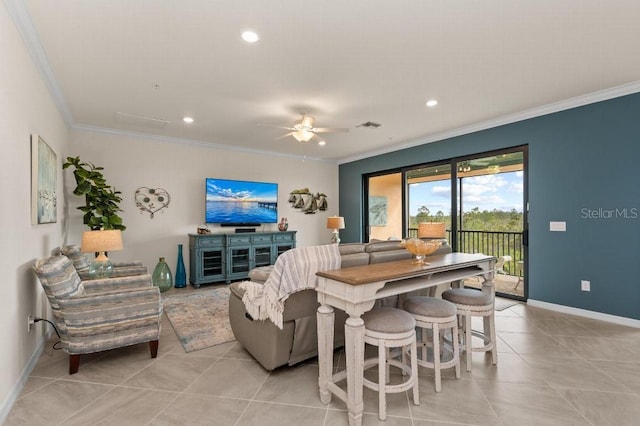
pixel 473 303
pixel 436 315
pixel 389 328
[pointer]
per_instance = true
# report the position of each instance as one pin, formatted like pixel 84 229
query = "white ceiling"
pixel 344 62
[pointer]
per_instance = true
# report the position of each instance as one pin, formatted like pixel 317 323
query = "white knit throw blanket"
pixel 294 270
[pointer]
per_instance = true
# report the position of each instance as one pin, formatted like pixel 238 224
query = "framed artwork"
pixel 377 211
pixel 44 182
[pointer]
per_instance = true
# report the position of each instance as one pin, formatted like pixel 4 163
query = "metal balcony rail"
pixel 493 243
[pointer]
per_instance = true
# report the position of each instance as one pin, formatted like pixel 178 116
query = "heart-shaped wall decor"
pixel 152 200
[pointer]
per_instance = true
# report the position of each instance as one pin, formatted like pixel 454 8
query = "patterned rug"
pixel 200 318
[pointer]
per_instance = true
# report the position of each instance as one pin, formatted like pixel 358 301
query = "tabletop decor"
pixel 420 248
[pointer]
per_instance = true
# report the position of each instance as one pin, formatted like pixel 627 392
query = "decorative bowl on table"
pixel 421 248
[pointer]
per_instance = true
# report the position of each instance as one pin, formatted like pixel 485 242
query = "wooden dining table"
pixel 355 291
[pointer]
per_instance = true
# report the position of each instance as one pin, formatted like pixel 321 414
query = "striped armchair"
pixel 101 314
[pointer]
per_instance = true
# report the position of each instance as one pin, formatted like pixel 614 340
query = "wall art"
pixel 152 200
pixel 377 211
pixel 307 202
pixel 44 182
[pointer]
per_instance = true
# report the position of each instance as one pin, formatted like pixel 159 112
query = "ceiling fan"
pixel 303 130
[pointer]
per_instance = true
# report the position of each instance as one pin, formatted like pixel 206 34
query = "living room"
pixel 582 155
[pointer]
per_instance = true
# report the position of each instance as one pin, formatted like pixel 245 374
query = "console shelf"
pixel 230 257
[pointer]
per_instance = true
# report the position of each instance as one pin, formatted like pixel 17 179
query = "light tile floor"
pixel 553 369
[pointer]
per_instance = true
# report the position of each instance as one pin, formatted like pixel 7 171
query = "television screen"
pixel 237 202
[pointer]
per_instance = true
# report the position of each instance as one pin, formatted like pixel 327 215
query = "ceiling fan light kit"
pixel 303 131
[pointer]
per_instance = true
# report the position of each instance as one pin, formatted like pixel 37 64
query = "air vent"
pixel 138 120
pixel 370 124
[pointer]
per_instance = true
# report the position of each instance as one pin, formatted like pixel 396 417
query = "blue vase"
pixel 162 277
pixel 181 273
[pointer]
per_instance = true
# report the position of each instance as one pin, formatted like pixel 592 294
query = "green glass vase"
pixel 162 277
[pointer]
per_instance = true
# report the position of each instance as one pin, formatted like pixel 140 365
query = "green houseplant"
pixel 101 200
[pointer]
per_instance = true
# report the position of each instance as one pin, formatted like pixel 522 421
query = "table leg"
pixel 325 319
pixel 354 349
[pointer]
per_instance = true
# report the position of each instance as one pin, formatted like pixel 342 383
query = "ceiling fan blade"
pixel 284 136
pixel 276 127
pixel 330 130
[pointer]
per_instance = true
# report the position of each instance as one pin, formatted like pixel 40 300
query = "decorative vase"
pixel 283 225
pixel 162 277
pixel 181 273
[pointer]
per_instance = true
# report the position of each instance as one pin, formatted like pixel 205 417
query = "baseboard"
pixel 629 322
pixel 11 398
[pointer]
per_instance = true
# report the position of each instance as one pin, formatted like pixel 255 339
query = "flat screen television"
pixel 240 203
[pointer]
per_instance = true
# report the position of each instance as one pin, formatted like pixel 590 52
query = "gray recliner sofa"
pixel 297 341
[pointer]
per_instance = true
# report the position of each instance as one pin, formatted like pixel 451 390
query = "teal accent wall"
pixel 584 169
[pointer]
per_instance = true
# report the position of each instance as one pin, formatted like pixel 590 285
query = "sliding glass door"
pixel 480 198
pixel 491 215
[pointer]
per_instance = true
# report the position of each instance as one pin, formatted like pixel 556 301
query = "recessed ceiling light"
pixel 431 103
pixel 188 120
pixel 250 37
pixel 322 143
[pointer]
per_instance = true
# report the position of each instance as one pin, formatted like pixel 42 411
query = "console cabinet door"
pixel 207 259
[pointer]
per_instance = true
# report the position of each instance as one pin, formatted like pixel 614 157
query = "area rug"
pixel 503 303
pixel 200 318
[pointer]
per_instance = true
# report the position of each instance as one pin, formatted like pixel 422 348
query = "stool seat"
pixel 467 296
pixel 391 328
pixel 429 307
pixel 435 315
pixel 388 320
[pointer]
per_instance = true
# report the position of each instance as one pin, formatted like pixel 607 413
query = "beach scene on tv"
pixel 238 202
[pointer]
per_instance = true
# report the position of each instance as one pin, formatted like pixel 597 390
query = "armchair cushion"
pixel 58 278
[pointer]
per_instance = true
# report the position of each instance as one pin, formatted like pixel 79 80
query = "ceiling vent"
pixel 137 120
pixel 370 124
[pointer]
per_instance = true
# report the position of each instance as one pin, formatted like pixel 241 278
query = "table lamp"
pixel 431 230
pixel 101 242
pixel 335 223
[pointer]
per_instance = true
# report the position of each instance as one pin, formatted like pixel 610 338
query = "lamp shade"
pixel 97 241
pixel 431 230
pixel 335 222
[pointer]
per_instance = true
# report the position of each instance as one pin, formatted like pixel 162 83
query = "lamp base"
pixel 101 267
pixel 335 237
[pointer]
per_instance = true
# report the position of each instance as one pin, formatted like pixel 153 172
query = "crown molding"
pixel 578 101
pixel 18 12
pixel 192 142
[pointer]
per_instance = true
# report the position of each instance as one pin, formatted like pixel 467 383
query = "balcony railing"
pixel 493 243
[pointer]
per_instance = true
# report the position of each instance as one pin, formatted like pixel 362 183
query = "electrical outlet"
pixel 585 285
pixel 30 322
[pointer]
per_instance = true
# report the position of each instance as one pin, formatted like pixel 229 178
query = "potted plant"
pixel 101 200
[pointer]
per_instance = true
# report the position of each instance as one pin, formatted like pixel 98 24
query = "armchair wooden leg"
pixel 153 346
pixel 74 363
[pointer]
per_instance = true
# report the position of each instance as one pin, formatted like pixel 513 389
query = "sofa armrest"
pixel 103 300
pixel 129 282
pixel 120 269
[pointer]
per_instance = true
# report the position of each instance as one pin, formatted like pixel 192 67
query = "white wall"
pixel 132 161
pixel 25 108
